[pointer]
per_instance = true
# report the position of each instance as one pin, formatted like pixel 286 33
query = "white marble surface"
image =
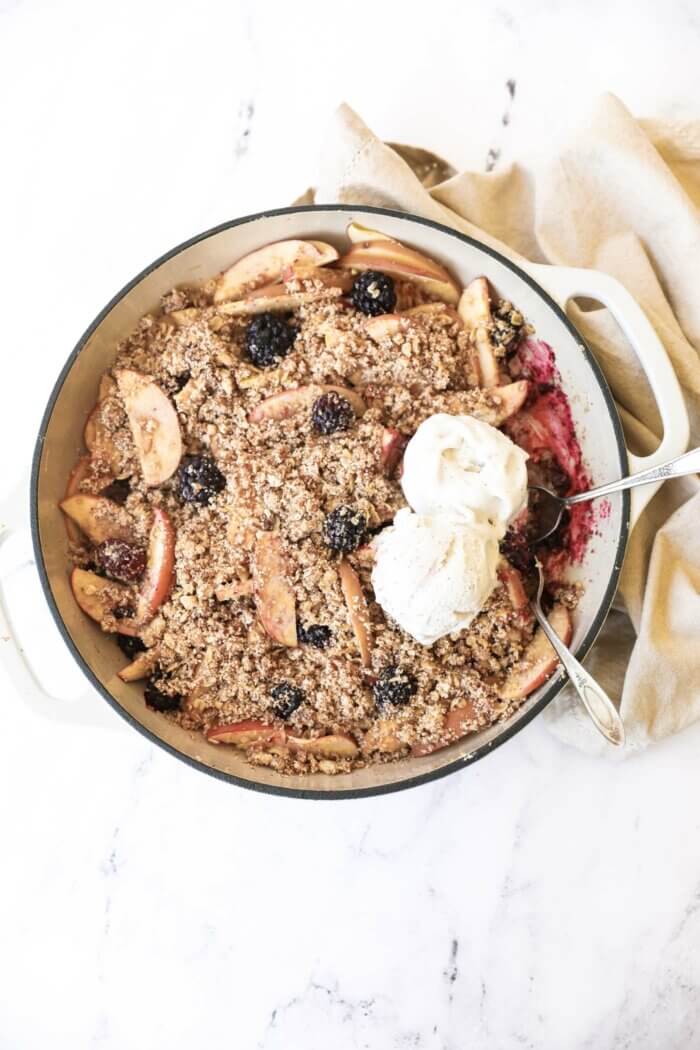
pixel 540 899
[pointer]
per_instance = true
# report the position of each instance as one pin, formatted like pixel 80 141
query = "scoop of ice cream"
pixel 459 465
pixel 434 573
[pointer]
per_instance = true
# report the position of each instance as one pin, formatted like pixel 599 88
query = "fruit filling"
pixel 302 510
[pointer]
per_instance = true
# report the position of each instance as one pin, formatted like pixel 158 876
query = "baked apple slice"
pixel 393 447
pixel 513 583
pixel 474 309
pixel 327 277
pixel 274 298
pixel 334 745
pixel 274 596
pixel 288 403
pixel 76 477
pixel 396 259
pixel 140 667
pixel 431 309
pixel 98 517
pixel 539 659
pixel 160 563
pixel 385 326
pixel 248 733
pixel 154 425
pixel 381 736
pixel 358 611
pixel 458 722
pixel 99 597
pixel 265 266
pixel 359 234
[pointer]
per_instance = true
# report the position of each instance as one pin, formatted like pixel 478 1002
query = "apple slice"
pixel 265 266
pixel 396 259
pixel 511 399
pixel 475 304
pixel 288 403
pixel 272 299
pixel 160 563
pixel 335 745
pixel 360 234
pixel 140 667
pixel 385 326
pixel 393 447
pixel 154 425
pixel 458 722
pixel 430 309
pixel 98 517
pixel 513 582
pixel 94 433
pixel 245 734
pixel 502 402
pixel 78 474
pixel 273 594
pixel 474 308
pixel 381 736
pixel 358 610
pixel 98 597
pixel 539 659
pixel 308 272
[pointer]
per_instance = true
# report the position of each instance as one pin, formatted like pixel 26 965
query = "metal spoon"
pixel 600 707
pixel 550 507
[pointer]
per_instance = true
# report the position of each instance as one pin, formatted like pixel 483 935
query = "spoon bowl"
pixel 548 508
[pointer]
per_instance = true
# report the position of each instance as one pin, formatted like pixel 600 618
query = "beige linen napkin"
pixel 622 196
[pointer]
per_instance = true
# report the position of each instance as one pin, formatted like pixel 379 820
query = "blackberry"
pixel 121 560
pixel 373 293
pixel 130 646
pixel 199 480
pixel 344 529
pixel 268 339
pixel 117 491
pixel 394 686
pixel 180 381
pixel 124 612
pixel 332 412
pixel 158 700
pixel 317 635
pixel 287 698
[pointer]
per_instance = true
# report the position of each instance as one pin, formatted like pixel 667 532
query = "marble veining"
pixel 540 899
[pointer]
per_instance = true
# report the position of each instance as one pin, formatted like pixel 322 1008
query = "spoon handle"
pixel 600 707
pixel 688 463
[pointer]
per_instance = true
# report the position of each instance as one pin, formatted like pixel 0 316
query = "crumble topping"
pixel 282 479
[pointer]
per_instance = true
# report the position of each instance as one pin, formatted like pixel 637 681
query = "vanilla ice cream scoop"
pixel 434 573
pixel 459 465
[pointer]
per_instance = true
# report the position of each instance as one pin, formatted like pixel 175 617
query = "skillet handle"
pixel 16 564
pixel 564 283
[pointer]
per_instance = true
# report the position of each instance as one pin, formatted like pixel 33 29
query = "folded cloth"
pixel 622 196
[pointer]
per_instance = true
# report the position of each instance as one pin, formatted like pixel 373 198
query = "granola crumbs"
pixel 283 477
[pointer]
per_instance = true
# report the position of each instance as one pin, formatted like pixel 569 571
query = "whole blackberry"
pixel 373 293
pixel 394 686
pixel 317 635
pixel 158 700
pixel 344 529
pixel 268 339
pixel 287 698
pixel 130 646
pixel 121 560
pixel 199 480
pixel 332 412
pixel 117 491
pixel 180 381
